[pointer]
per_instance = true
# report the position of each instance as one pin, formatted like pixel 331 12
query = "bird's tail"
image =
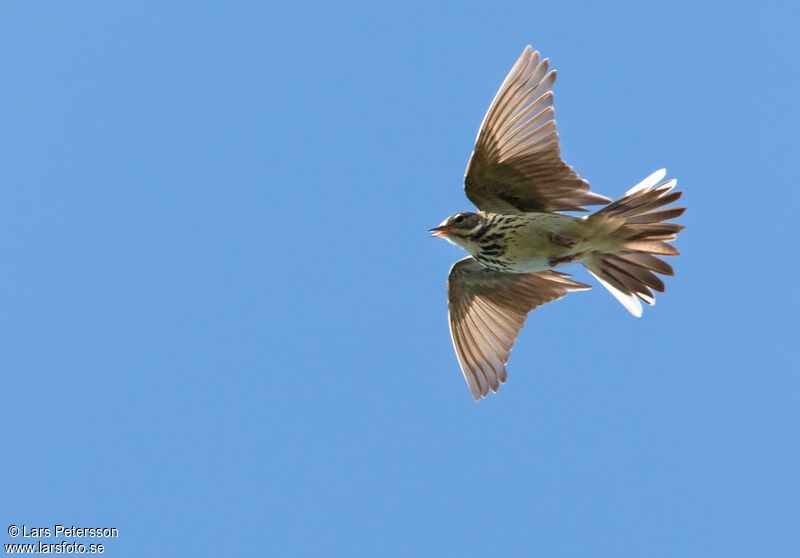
pixel 636 228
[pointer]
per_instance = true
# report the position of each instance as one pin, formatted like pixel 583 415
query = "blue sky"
pixel 223 325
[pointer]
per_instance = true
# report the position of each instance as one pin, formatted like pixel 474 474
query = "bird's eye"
pixel 460 219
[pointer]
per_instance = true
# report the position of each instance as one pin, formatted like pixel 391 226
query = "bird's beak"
pixel 444 230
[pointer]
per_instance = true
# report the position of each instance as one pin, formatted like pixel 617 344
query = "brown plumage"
pixel 488 309
pixel 520 184
pixel 516 164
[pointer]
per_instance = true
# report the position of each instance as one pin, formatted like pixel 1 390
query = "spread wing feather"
pixel 487 311
pixel 516 164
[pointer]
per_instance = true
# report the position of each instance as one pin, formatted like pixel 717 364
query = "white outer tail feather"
pixel 629 301
pixel 648 182
pixel 596 265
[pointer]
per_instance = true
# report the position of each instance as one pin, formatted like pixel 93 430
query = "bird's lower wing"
pixel 487 311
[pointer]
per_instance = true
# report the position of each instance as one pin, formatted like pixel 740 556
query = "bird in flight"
pixel 520 235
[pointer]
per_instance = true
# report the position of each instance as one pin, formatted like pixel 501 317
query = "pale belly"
pixel 529 265
pixel 546 241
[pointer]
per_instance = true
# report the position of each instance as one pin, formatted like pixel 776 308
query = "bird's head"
pixel 459 227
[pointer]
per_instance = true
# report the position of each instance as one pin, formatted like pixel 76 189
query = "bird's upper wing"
pixel 487 310
pixel 516 164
